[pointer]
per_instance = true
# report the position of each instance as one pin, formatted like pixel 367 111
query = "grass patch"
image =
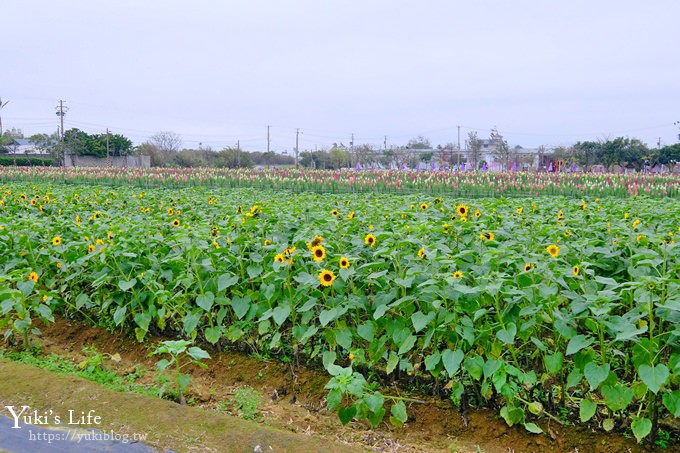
pixel 91 368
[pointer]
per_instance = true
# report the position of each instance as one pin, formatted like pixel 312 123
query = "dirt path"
pixel 164 424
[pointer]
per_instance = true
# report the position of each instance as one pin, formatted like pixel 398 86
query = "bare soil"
pixel 293 402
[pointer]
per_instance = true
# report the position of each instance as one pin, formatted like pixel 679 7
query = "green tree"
pixel 669 154
pixel 586 153
pixel 43 142
pixel 419 142
pixel 502 150
pixel 474 145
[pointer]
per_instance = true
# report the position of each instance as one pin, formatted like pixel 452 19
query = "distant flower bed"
pixel 467 183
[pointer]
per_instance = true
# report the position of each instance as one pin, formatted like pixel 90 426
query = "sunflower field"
pixel 547 307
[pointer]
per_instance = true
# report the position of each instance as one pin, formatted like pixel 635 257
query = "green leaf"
pixel 654 378
pixel 579 342
pixel 240 306
pixel 44 312
pixel 420 320
pixel 254 270
pixel 398 411
pixel 346 414
pixel 432 360
pixel 213 334
pixel 344 338
pixel 672 402
pixel 408 344
pixel 26 287
pixel 452 360
pixel 608 424
pixel 474 366
pixel 617 397
pixel 328 358
pixel 392 363
pixel 374 401
pixel 507 335
pixel 198 353
pixel 553 362
pixel 366 331
pixel 281 313
pixel 574 378
pixel 162 364
pixel 596 375
pixel 142 320
pixel 205 301
pixel 512 415
pixel 533 428
pixel 587 410
pixel 334 399
pixel 191 321
pixel 124 285
pixel 225 281
pixel 326 316
pixel 375 418
pixel 641 428
pixel 119 315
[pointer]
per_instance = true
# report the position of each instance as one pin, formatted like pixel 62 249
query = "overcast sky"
pixel 544 72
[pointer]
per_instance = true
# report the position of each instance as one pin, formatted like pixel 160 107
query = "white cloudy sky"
pixel 544 72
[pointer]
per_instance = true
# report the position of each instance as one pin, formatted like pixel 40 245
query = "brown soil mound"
pixel 294 400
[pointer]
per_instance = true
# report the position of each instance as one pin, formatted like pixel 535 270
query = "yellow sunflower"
pixel 553 250
pixel 487 236
pixel 56 240
pixel 33 276
pixel 528 267
pixel 458 274
pixel 560 215
pixel 477 213
pixel 575 270
pixel 421 253
pixel 423 206
pixel 266 242
pixel 326 277
pixel 334 212
pixel 175 223
pixel 369 240
pixel 318 253
pixel 279 258
pixel 90 248
pixel 344 263
pixel 520 210
pixel 350 215
pixel 462 210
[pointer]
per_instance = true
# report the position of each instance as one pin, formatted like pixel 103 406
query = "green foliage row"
pixel 540 306
pixel 25 161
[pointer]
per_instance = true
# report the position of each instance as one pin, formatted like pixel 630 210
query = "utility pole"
pixel 351 150
pixel 297 135
pixel 2 104
pixel 61 111
pixel 385 144
pixel 268 138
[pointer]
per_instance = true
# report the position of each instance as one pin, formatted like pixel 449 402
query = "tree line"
pixel 166 150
